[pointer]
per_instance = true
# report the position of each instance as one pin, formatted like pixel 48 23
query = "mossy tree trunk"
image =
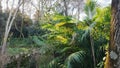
pixel 113 56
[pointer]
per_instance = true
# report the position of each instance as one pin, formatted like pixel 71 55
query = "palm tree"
pixel 90 12
pixel 87 34
pixel 92 21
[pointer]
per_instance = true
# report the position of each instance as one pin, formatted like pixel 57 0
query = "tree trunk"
pixel 92 49
pixel 21 28
pixel 113 56
pixel 7 30
pixel 66 9
pixel 0 6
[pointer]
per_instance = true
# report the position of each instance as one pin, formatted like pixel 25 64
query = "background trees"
pixel 51 34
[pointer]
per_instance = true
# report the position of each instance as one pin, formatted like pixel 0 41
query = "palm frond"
pixel 55 63
pixel 75 60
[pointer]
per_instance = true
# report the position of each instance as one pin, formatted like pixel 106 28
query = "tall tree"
pixel 65 5
pixel 113 56
pixel 0 6
pixel 90 9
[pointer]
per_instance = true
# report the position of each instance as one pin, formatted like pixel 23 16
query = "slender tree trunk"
pixel 7 30
pixel 21 28
pixel 92 49
pixel 7 5
pixel 113 56
pixel 66 9
pixel 0 6
pixel 39 10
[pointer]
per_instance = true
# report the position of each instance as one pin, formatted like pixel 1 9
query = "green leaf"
pixel 38 41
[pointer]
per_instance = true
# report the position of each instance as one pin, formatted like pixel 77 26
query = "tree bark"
pixel 113 56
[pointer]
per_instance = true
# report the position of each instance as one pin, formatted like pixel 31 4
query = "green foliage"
pixel 62 41
pixel 38 41
pixel 91 23
pixel 90 8
pixel 102 19
pixel 20 42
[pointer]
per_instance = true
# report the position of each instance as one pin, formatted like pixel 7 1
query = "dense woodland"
pixel 54 33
